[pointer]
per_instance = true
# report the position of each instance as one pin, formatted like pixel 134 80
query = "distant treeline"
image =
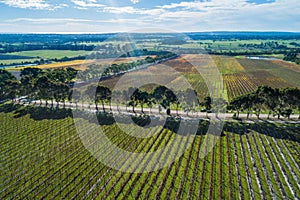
pixel 53 38
pixel 244 36
pixel 8 48
pixel 13 57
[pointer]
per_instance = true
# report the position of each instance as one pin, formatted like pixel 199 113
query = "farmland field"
pixel 68 134
pixel 240 76
pixel 48 54
pixel 19 61
pixel 80 64
pixel 43 157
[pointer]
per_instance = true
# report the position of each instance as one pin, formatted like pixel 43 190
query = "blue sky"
pixel 102 16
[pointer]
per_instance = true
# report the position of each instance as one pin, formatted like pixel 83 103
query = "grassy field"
pixel 42 156
pixel 227 45
pixel 49 54
pixel 18 61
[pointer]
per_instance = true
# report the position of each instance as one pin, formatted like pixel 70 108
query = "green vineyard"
pixel 43 157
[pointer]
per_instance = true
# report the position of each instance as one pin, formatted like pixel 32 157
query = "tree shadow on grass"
pixel 8 108
pixel 36 113
pixel 277 130
pixel 283 130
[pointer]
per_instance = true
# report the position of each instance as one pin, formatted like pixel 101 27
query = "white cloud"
pixel 218 15
pixel 32 4
pixel 200 5
pixel 69 20
pixel 85 4
pixel 135 1
pixel 122 10
pixel 36 4
pixel 47 20
pixel 132 10
pixel 204 15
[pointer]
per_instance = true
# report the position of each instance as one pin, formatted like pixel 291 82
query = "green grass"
pixel 50 54
pixel 17 61
pixel 42 156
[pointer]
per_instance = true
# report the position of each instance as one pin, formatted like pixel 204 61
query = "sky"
pixel 106 16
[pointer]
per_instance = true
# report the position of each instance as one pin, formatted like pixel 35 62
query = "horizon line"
pixel 91 33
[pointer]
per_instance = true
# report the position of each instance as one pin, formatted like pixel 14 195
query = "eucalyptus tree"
pixel 187 101
pixel 150 101
pixel 61 92
pixel 102 95
pixel 142 98
pixel 75 96
pixel 9 85
pixel 89 94
pixel 134 98
pixel 165 97
pixel 247 102
pixel 259 98
pixel 28 78
pixel 207 104
pixel 236 104
pixel 170 97
pixel 43 86
pixel 219 106
pixel 158 95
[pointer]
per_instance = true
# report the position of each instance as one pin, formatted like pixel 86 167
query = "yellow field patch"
pixel 82 64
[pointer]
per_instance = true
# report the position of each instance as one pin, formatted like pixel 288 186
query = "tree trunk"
pixel 96 104
pixel 269 114
pixel 103 106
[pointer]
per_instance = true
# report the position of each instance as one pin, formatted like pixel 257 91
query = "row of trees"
pixel 50 84
pixel 160 95
pixel 55 85
pixel 293 56
pixel 279 102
